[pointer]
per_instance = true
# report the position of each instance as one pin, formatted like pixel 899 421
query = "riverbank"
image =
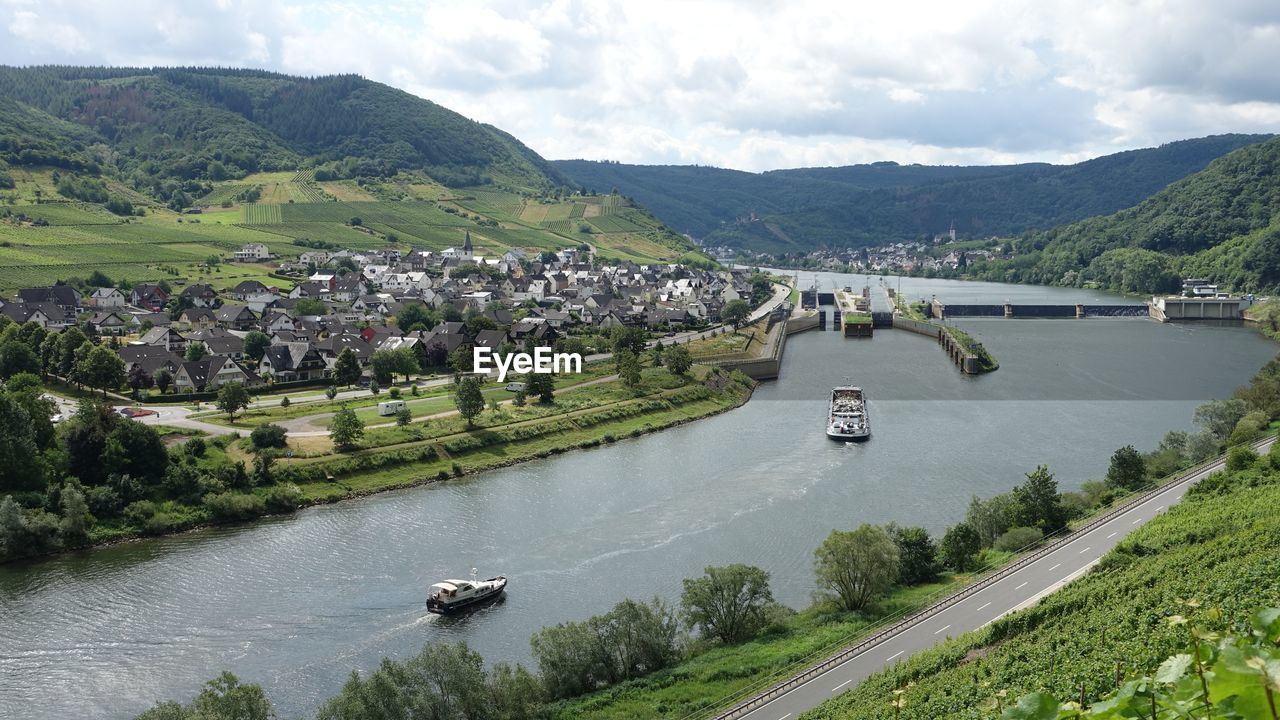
pixel 435 449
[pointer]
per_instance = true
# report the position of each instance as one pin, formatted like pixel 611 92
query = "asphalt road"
pixel 1014 591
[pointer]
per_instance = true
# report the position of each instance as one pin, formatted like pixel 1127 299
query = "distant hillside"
pixel 171 133
pixel 801 209
pixel 1222 223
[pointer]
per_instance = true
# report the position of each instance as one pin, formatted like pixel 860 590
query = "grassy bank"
pixel 1220 546
pixel 696 685
pixel 435 450
pixel 396 458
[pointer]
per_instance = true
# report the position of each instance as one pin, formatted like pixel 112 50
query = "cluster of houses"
pixel 350 297
pixel 892 258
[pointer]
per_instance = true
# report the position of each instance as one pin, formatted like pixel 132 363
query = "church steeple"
pixel 466 243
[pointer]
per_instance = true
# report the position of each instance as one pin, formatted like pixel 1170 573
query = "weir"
pixel 940 311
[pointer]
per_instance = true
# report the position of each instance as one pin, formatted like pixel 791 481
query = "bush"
pixel 1018 538
pixel 282 498
pixel 234 506
pixel 195 447
pixel 1241 458
pixel 268 436
pixel 394 393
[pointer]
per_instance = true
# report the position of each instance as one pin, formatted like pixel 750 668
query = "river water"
pixel 297 603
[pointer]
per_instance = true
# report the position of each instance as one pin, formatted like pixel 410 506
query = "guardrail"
pixel 896 623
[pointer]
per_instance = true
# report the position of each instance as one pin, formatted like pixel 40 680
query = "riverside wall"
pixel 965 360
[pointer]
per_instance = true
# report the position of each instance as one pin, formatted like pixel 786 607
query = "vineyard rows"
pixel 260 214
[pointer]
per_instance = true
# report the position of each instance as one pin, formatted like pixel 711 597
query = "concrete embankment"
pixel 965 360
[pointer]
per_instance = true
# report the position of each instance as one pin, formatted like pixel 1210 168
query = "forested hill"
pixel 801 209
pixel 171 131
pixel 1222 223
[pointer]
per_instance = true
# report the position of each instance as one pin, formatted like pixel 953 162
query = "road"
pixel 974 607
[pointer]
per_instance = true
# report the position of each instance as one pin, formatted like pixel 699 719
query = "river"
pixel 297 603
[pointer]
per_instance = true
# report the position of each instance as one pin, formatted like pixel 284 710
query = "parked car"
pixel 515 387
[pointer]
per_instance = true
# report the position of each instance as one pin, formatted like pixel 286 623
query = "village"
pixel 187 338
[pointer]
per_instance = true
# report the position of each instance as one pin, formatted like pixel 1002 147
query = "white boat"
pixel 453 595
pixel 847 416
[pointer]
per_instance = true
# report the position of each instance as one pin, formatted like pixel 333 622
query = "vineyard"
pixel 67 213
pixel 305 182
pixel 262 214
pixel 1221 549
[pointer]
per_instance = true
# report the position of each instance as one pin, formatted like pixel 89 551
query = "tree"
pixel 960 546
pixel 346 429
pixel 68 343
pixel 222 698
pixel 857 566
pixel 416 316
pixel 74 528
pixel 196 352
pixel 629 338
pixel 16 357
pixel 735 312
pixel 631 640
pixel 628 365
pixel 307 307
pixel 462 359
pixel 541 385
pixel 1221 416
pixel 990 518
pixel 678 360
pixel 267 436
pixel 469 399
pixel 135 450
pixel 20 465
pixel 100 368
pixel 346 368
pixel 404 416
pixel 729 603
pixel 1037 503
pixel 331 392
pixel 917 552
pixel 232 398
pixel 256 343
pixel 163 379
pixel 442 681
pixel 139 378
pixel 386 364
pixel 1127 470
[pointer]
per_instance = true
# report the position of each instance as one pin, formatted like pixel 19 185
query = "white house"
pixel 253 252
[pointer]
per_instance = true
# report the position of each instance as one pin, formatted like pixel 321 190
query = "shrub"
pixel 1018 538
pixel 1241 458
pixel 282 498
pixel 234 506
pixel 268 436
pixel 394 393
pixel 195 447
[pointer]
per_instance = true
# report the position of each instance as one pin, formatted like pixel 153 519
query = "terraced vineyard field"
pixel 492 202
pixel 229 192
pixel 305 182
pixel 262 214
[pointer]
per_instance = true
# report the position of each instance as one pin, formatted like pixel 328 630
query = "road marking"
pixel 846 682
pixel 1159 508
pixel 935 632
pixel 1085 550
pixel 1136 521
pixel 784 717
pixel 900 652
pixel 1111 536
pixel 984 605
pixel 1021 586
pixel 1055 567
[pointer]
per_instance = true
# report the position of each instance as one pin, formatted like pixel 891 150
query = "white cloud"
pixel 751 85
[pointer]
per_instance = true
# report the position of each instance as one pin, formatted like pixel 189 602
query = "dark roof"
pixel 57 294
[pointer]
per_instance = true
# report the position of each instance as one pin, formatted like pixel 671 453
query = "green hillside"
pixel 802 209
pixel 1222 223
pixel 1220 546
pixel 146 174
pixel 172 132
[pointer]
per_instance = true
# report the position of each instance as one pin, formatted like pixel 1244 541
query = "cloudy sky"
pixel 748 85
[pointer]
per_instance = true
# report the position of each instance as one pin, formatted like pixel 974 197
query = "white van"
pixel 515 387
pixel 390 407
